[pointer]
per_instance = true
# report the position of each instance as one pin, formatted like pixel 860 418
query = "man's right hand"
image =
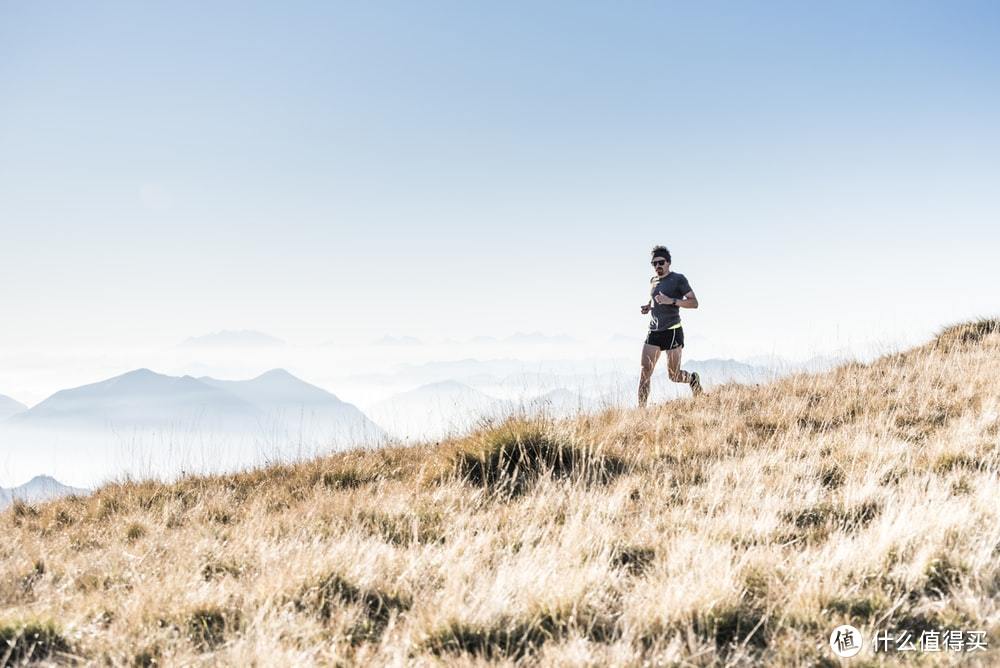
pixel 644 308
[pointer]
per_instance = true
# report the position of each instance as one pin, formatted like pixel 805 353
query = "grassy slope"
pixel 737 528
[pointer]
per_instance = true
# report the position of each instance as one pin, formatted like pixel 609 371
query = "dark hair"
pixel 661 251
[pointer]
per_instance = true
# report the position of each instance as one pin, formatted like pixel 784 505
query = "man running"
pixel 669 292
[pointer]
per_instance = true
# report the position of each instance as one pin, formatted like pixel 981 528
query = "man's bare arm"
pixel 687 301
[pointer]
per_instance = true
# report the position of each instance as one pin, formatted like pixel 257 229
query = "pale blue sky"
pixel 825 174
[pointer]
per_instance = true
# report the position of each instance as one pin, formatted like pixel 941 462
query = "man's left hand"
pixel 661 298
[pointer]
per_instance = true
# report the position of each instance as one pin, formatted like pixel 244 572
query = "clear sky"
pixel 825 173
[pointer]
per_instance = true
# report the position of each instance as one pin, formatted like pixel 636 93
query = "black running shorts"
pixel 668 339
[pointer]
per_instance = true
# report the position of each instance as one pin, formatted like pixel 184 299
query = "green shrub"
pixel 832 477
pixel 323 597
pixel 346 479
pixel 513 638
pixel 511 457
pixel 134 532
pixel 633 559
pixel 207 626
pixel 30 642
pixel 942 576
pixel 969 332
pixel 743 623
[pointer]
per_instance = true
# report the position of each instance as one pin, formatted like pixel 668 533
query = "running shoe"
pixel 695 384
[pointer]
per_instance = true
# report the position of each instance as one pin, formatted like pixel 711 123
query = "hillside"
pixel 739 528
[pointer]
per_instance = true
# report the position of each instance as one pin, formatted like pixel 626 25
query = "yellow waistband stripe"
pixel 674 326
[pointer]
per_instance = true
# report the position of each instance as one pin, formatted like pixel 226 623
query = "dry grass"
pixel 736 529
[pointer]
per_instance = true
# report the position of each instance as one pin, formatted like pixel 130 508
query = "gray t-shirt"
pixel 663 316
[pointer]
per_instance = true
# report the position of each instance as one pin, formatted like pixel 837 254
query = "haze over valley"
pixel 238 398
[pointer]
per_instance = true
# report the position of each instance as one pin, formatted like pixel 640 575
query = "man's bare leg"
pixel 649 356
pixel 674 370
pixel 679 375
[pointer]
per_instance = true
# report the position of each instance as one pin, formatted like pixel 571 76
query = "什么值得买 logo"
pixel 846 641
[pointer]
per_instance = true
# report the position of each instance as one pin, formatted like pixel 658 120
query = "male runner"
pixel 669 292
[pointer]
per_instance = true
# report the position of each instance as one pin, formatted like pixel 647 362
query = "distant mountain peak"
pixel 9 407
pixel 269 375
pixel 140 396
pixel 283 374
pixel 144 402
pixel 38 489
pixel 136 377
pixel 140 373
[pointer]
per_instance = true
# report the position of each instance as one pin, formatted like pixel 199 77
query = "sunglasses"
pixel 658 263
